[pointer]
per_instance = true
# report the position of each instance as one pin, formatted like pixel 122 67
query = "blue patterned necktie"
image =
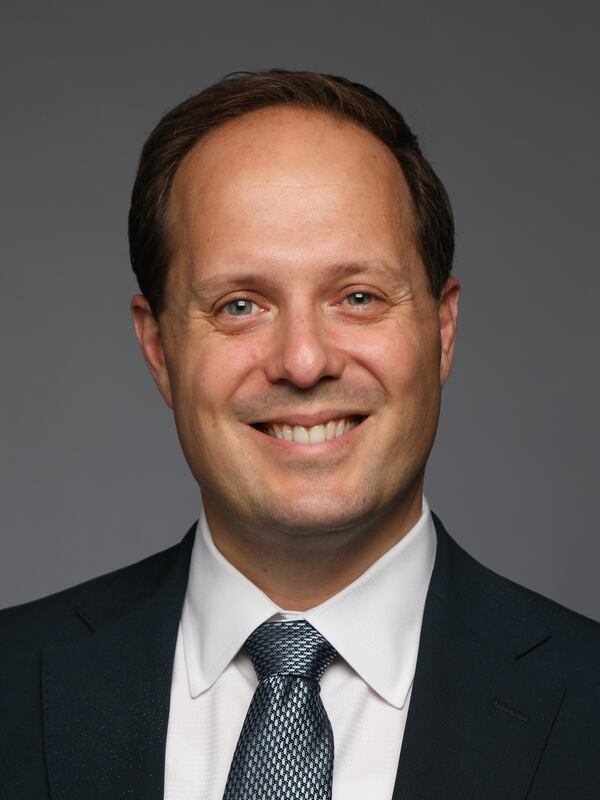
pixel 285 749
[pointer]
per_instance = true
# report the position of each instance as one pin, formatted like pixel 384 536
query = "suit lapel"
pixel 479 717
pixel 106 697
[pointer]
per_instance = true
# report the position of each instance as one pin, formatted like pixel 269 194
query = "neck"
pixel 298 572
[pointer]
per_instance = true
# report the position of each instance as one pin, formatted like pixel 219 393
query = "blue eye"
pixel 359 298
pixel 239 307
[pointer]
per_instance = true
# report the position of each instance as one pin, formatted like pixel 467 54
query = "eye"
pixel 240 307
pixel 360 298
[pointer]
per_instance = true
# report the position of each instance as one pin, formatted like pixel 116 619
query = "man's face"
pixel 300 347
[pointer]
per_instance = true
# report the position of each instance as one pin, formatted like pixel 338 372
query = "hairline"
pixel 165 218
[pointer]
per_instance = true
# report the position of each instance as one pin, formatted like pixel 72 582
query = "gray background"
pixel 504 97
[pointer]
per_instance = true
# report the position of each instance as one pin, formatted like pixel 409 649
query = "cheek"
pixel 214 371
pixel 404 364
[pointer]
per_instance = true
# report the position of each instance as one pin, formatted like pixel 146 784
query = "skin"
pixel 303 225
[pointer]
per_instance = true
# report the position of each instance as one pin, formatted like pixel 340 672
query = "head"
pixel 293 250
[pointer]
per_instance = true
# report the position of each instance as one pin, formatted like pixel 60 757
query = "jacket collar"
pixel 106 696
pixel 479 715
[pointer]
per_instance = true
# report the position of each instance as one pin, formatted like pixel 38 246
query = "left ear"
pixel 148 332
pixel 448 314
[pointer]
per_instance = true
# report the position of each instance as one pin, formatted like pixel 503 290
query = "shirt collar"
pixel 374 623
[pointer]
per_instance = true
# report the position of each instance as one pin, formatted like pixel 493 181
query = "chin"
pixel 309 515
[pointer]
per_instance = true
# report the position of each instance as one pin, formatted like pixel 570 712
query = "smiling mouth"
pixel 315 434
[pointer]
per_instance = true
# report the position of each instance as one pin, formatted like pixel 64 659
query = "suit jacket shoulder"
pixel 73 612
pixel 47 666
pixel 506 696
pixel 511 614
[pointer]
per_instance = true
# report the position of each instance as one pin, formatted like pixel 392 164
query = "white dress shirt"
pixel 374 624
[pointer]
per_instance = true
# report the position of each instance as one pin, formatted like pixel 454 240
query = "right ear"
pixel 147 330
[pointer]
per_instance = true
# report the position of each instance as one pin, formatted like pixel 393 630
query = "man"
pixel 318 633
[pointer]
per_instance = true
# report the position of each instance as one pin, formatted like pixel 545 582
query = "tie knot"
pixel 289 648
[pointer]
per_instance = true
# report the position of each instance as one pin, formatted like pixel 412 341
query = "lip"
pixel 297 448
pixel 309 420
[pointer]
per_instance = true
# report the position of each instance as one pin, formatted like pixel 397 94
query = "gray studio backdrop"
pixel 504 98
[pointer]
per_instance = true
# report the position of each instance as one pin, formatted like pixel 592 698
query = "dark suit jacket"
pixel 505 704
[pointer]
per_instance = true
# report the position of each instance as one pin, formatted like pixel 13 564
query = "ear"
pixel 448 315
pixel 147 330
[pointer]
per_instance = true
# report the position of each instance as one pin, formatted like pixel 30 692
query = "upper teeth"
pixel 314 434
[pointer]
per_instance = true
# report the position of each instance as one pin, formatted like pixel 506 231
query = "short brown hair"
pixel 241 93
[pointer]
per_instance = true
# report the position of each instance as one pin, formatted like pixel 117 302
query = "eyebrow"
pixel 203 289
pixel 348 269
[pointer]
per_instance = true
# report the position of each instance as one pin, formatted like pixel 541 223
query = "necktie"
pixel 285 749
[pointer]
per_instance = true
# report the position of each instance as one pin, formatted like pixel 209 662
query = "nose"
pixel 303 350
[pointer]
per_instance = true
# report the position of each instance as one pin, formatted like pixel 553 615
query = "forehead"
pixel 287 147
pixel 288 185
